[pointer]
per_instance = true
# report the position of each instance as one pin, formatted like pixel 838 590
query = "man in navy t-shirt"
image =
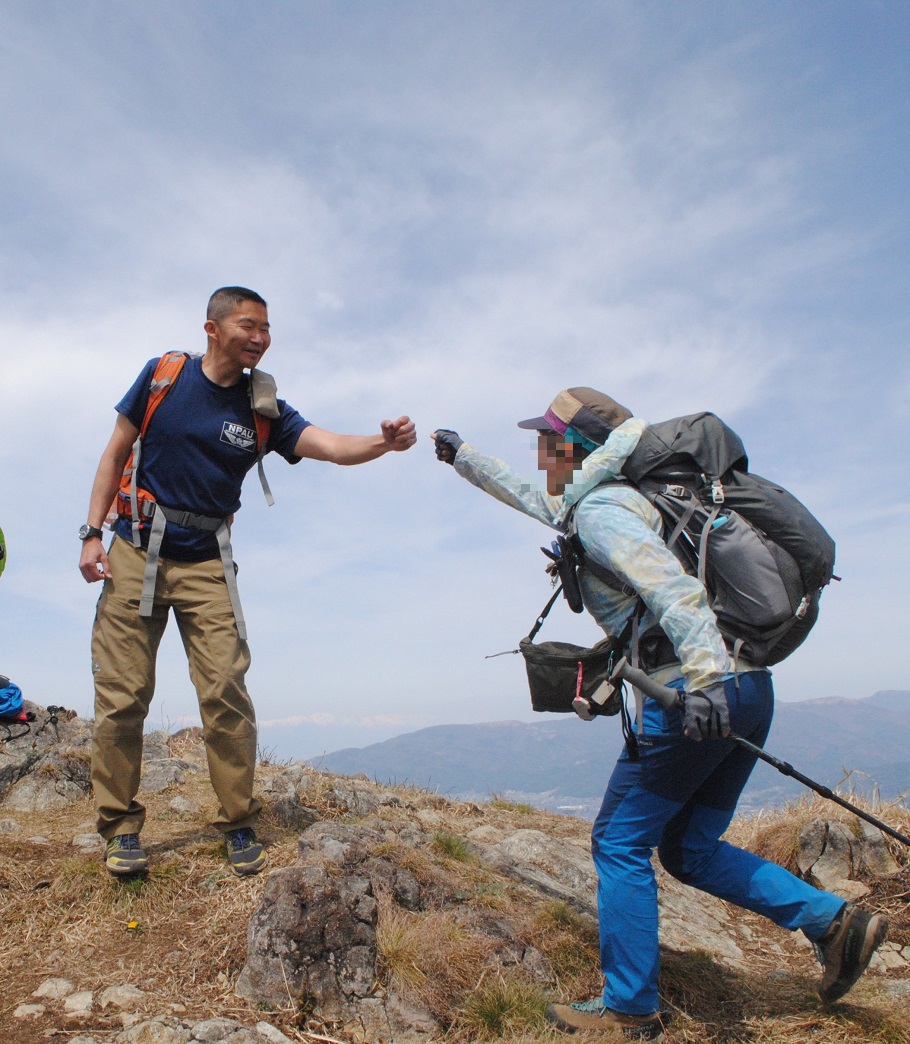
pixel 171 551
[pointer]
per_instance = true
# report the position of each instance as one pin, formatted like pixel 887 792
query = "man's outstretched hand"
pixel 399 435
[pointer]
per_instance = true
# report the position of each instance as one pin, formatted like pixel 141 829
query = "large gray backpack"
pixel 762 556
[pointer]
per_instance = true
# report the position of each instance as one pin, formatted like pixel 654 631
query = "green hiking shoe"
pixel 846 949
pixel 245 854
pixel 594 1015
pixel 123 856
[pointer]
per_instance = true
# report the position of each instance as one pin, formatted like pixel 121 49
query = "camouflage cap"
pixel 588 412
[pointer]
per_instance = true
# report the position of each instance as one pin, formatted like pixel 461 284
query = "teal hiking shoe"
pixel 594 1015
pixel 123 856
pixel 245 854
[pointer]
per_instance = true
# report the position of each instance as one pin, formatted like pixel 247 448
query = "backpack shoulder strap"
pixel 166 372
pixel 584 560
pixel 264 400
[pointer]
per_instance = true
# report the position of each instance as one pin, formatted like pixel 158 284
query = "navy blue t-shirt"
pixel 200 444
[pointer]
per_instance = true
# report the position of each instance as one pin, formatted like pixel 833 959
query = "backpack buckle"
pixel 717 491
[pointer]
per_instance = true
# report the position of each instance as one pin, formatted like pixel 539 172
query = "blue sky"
pixel 454 210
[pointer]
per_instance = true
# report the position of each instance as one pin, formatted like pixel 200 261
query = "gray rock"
pixel 160 774
pixel 831 856
pixel 51 787
pixel 9 826
pixel 79 1003
pixel 54 989
pixel 313 936
pixel 271 1034
pixel 559 868
pixel 155 745
pixel 337 843
pixel 87 841
pixel 353 797
pixel 183 806
pixel 155 1031
pixel 47 767
pixel 288 794
pixel 213 1030
pixel 29 1011
pixel 125 997
pixel 875 856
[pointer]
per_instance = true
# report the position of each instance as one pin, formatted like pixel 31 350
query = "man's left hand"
pixel 399 435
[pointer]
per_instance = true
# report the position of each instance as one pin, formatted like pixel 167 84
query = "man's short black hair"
pixel 224 301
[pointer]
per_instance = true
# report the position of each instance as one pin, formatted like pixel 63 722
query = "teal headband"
pixel 573 435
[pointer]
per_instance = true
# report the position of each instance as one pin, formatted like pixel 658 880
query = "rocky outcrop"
pixel 312 943
pixel 47 765
pixel 836 857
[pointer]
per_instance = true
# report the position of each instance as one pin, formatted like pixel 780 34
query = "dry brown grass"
pixel 180 935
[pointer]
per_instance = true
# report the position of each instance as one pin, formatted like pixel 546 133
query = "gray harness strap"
pixel 223 535
pixel 134 500
pixel 187 519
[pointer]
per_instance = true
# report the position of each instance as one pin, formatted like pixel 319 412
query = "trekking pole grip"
pixel 668 698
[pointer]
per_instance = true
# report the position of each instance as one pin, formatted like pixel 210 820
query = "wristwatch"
pixel 90 531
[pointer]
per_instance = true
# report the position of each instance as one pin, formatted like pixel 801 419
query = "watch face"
pixel 88 531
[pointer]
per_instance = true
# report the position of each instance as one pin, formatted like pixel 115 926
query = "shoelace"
pixel 592 1007
pixel 241 838
pixel 127 842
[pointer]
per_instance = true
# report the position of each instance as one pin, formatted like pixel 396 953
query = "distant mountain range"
pixel 562 763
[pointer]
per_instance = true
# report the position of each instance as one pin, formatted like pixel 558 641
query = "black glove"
pixel 706 713
pixel 448 444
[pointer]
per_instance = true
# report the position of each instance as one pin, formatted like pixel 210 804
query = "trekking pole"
pixel 669 698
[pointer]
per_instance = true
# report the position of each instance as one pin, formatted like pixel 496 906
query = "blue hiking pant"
pixel 679 797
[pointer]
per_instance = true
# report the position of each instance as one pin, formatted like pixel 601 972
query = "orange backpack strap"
pixel 130 501
pixel 166 372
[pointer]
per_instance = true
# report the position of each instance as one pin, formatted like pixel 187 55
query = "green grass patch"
pixel 452 847
pixel 499 1007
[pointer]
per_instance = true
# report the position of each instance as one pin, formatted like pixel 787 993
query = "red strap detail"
pixel 263 427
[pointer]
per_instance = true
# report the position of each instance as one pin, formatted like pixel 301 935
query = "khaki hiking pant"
pixel 124 648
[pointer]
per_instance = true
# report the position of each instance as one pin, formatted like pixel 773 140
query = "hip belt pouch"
pixel 559 671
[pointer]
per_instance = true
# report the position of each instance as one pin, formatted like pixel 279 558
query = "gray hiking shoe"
pixel 123 856
pixel 594 1015
pixel 245 854
pixel 846 949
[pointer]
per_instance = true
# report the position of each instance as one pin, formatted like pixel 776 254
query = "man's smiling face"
pixel 242 337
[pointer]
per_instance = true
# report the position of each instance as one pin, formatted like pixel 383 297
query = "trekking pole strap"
pixel 669 698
